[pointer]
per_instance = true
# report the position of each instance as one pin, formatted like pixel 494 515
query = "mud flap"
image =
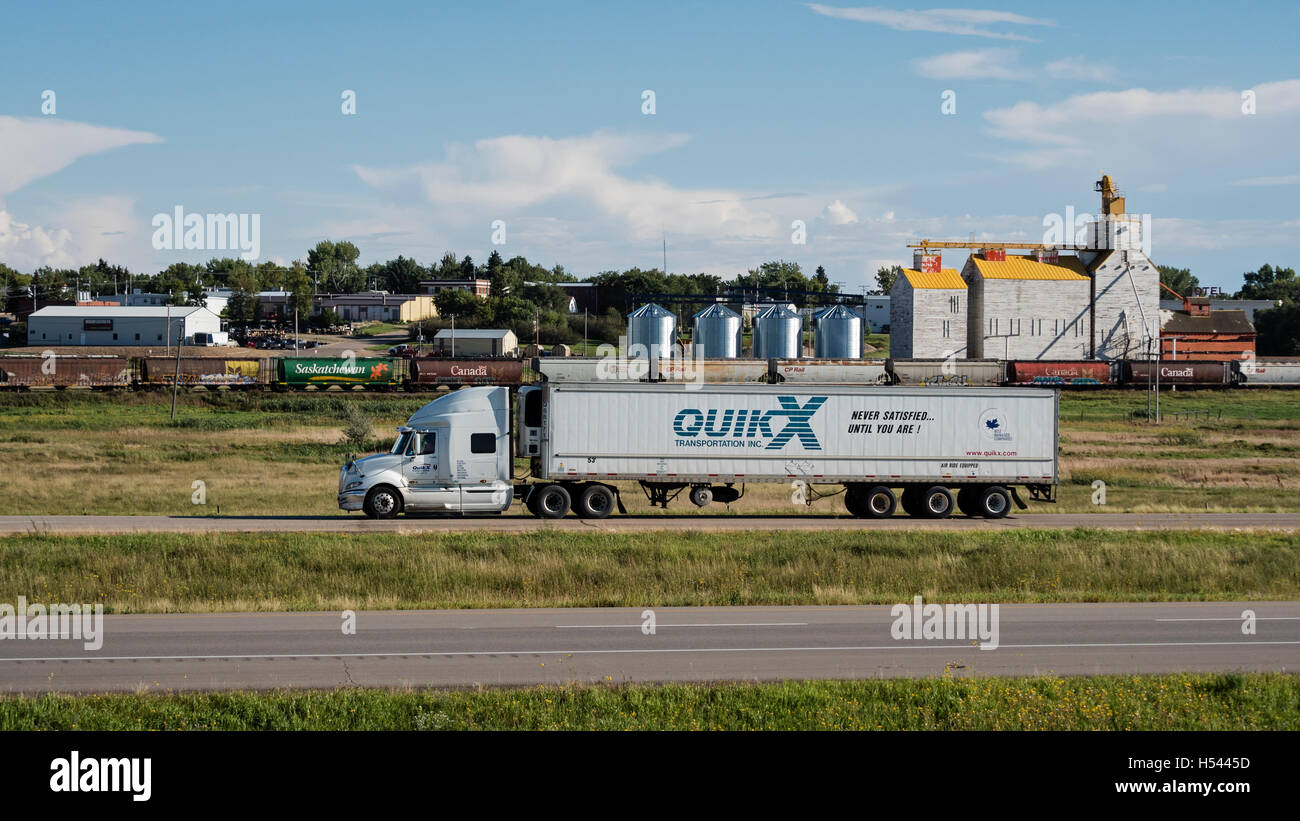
pixel 1016 497
pixel 618 500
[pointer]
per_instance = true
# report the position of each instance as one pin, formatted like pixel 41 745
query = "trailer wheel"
pixel 595 502
pixel 910 501
pixel 968 499
pixel 877 502
pixel 936 502
pixel 701 496
pixel 994 502
pixel 553 502
pixel 382 502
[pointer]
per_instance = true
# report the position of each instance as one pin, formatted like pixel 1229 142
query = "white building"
pixel 110 325
pixel 136 299
pixel 476 342
pixel 927 315
pixel 1023 307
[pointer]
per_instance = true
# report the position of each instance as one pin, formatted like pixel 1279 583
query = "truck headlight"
pixel 352 485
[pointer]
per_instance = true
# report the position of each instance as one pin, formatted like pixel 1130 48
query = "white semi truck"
pixel 935 449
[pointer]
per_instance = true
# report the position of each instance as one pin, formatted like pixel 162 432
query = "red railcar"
pixel 21 372
pixel 481 371
pixel 1204 374
pixel 1073 373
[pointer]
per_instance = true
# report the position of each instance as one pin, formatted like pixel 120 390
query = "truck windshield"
pixel 399 446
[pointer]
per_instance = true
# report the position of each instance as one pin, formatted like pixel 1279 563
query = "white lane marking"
pixel 572 652
pixel 1238 618
pixel 702 624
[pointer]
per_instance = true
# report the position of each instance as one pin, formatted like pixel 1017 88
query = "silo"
pixel 654 327
pixel 837 334
pixel 717 333
pixel 777 334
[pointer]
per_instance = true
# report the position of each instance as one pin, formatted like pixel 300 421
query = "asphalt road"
pixel 464 648
pixel 356 523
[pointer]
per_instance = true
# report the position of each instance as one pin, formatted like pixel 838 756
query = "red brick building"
pixel 1200 333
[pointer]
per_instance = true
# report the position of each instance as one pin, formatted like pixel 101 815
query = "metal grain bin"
pixel 717 333
pixel 654 327
pixel 837 334
pixel 778 332
pixel 446 371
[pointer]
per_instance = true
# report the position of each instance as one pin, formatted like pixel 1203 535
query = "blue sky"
pixel 530 113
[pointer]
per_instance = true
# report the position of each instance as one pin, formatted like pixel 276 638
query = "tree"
pixel 885 278
pixel 468 308
pixel 242 307
pixel 1179 280
pixel 496 274
pixel 1278 330
pixel 400 276
pixel 1270 283
pixel 298 283
pixel 823 281
pixel 333 267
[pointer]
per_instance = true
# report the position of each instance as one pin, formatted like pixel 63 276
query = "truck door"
pixel 427 471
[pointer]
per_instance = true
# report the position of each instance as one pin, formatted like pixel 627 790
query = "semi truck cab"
pixel 453 455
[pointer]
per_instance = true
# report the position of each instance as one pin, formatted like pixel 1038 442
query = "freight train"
pixel 431 373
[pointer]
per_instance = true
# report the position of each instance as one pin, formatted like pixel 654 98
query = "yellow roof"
pixel 1022 267
pixel 947 278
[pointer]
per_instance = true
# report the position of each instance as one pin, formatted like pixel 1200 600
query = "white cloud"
pixel 1291 179
pixel 89 229
pixel 1080 68
pixel 980 64
pixel 1090 125
pixel 35 147
pixel 504 177
pixel 839 214
pixel 971 22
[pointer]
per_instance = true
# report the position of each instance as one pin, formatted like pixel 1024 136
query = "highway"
pixel 514 523
pixel 465 648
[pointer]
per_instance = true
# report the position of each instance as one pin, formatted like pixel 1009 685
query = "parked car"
pixel 403 350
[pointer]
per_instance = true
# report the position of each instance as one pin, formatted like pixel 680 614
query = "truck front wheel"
pixel 553 502
pixel 382 502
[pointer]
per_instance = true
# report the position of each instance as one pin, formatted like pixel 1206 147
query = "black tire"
pixel 595 502
pixel 935 502
pixel 910 501
pixel 382 502
pixel 878 502
pixel 853 500
pixel 701 496
pixel 968 499
pixel 994 502
pixel 553 502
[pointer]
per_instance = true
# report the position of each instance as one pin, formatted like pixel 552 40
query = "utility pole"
pixel 584 331
pixel 453 335
pixel 176 375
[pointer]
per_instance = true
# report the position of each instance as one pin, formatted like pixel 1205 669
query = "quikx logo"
pixel 746 423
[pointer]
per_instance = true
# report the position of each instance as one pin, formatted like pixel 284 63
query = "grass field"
pixel 153 573
pixel 266 454
pixel 1169 702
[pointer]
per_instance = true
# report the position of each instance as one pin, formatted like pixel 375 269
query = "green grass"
pixel 377 328
pixel 1166 702
pixel 146 573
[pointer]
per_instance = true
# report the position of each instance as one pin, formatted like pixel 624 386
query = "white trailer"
pixel 711 440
